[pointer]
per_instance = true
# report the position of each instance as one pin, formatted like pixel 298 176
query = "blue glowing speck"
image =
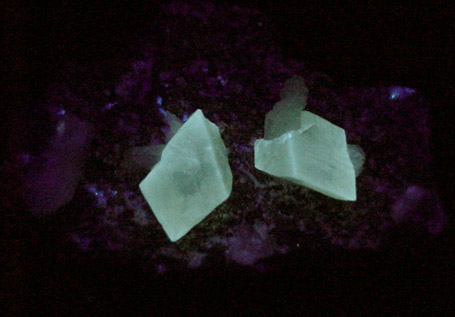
pixel 159 100
pixel 185 117
pixel 109 105
pixel 397 92
pixel 161 268
pixel 25 158
pixel 92 189
pixel 223 80
pixel 61 112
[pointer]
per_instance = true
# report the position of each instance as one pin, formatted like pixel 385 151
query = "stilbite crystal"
pixel 192 178
pixel 284 116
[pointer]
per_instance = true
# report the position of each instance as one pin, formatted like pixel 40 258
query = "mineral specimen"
pixel 306 149
pixel 192 178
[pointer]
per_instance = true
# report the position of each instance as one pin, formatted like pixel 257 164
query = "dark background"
pixel 367 44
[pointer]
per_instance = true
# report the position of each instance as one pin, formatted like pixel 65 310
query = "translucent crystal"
pixel 173 122
pixel 315 156
pixel 285 115
pixel 357 157
pixel 191 179
pixel 306 149
pixel 144 157
pixel 139 160
pixel 52 178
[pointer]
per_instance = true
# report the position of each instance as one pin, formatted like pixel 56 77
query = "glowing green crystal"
pixel 192 178
pixel 306 149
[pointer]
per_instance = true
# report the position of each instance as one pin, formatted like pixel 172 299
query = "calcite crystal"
pixel 192 178
pixel 306 149
pixel 314 156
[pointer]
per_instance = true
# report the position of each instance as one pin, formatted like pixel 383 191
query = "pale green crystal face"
pixel 285 115
pixel 192 178
pixel 315 156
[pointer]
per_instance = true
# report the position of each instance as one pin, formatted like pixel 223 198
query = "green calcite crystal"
pixel 191 179
pixel 314 156
pixel 306 149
